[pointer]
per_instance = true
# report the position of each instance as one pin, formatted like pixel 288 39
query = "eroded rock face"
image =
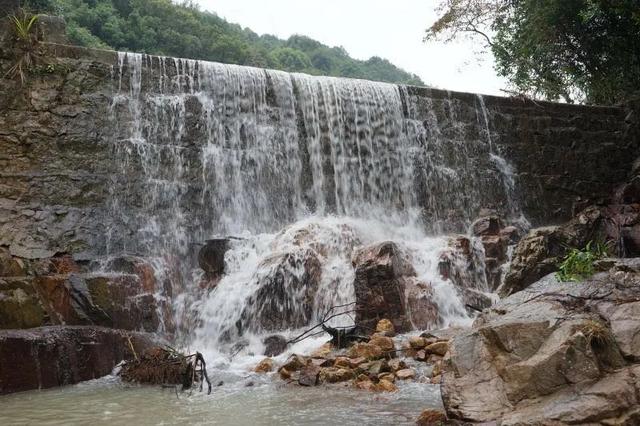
pixel 46 357
pixel 555 352
pixel 386 287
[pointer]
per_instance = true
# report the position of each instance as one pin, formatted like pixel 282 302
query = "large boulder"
pixel 386 287
pixel 555 353
pixel 211 257
pixel 287 284
pixel 46 357
pixel 542 249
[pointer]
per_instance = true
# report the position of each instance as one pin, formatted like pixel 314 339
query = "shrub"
pixel 25 35
pixel 578 265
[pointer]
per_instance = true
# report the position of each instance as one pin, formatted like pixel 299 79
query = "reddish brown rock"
pixel 431 418
pixel 46 357
pixel 264 366
pixel 309 375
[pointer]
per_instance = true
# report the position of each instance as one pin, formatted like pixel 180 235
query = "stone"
pixel 264 366
pixel 542 249
pixel 344 362
pixel 363 382
pixel 357 361
pixel 377 367
pixel 284 373
pixel 295 363
pixel 390 377
pixel 274 345
pixel 386 386
pixel 365 350
pixel 380 282
pixel 432 418
pixel 417 342
pixel 46 357
pixel 520 364
pixel 211 256
pixel 421 355
pixel 309 375
pixel 11 266
pixel 488 225
pixel 406 374
pixel 438 348
pixel 335 375
pixel 397 364
pixel 385 326
pixel 384 343
pixel 20 304
pixel 286 294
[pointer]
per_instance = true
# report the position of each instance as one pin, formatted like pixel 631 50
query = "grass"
pixel 25 34
pixel 578 265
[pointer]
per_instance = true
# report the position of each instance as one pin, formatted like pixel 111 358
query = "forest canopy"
pixel 163 27
pixel 576 50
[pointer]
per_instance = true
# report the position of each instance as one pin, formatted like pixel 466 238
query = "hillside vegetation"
pixel 163 27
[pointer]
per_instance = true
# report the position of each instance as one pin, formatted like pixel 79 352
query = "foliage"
pixel 578 265
pixel 23 26
pixel 163 27
pixel 584 50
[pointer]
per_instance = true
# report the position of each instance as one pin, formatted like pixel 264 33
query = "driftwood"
pixel 341 337
pixel 167 367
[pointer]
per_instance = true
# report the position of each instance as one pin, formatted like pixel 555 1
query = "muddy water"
pixel 267 402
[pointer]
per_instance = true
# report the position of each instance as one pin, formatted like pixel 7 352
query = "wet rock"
pixel 487 225
pixel 542 249
pixel 431 418
pixel 421 355
pixel 386 327
pixel 552 354
pixel 20 305
pixel 377 367
pixel 384 276
pixel 406 374
pixel 397 364
pixel 274 345
pixel 365 350
pixel 264 366
pixel 384 343
pixel 438 348
pixel 46 357
pixel 423 311
pixel 295 363
pixel 335 375
pixel 390 377
pixel 287 288
pixel 211 257
pixel 284 373
pixel 417 342
pixel 386 386
pixel 309 375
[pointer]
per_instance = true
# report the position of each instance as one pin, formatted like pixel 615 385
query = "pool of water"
pixel 248 399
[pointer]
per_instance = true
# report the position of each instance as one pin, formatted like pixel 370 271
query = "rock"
pixel 488 225
pixel 422 310
pixel 274 345
pixel 20 304
pixel 386 386
pixel 356 362
pixel 295 363
pixel 542 249
pixel 385 326
pixel 390 377
pixel 321 362
pixel 438 348
pixel 363 382
pixel 343 362
pixel 11 266
pixel 309 375
pixel 436 380
pixel 406 374
pixel 377 367
pixel 286 292
pixel 431 418
pixel 384 343
pixel 45 357
pixel 417 342
pixel 264 366
pixel 211 256
pixel 365 350
pixel 397 364
pixel 284 373
pixel 335 375
pixel 421 355
pixel 552 354
pixel 380 284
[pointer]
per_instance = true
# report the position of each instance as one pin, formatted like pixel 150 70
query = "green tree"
pixel 585 50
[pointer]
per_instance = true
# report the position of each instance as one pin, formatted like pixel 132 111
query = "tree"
pixel 586 50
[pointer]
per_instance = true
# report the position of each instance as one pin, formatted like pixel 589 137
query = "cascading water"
pixel 211 150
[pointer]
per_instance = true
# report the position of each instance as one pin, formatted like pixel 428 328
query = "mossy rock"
pixel 20 306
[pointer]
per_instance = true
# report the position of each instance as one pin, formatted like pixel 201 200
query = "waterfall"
pixel 295 166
